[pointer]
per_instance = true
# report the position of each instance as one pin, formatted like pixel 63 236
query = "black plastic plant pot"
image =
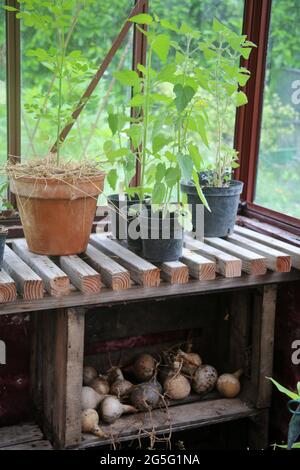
pixel 223 203
pixel 162 236
pixel 3 235
pixel 122 216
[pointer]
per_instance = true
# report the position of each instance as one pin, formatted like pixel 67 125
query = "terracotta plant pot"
pixel 56 215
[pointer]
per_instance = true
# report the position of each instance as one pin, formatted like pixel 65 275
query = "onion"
pixel 146 395
pixel 90 398
pixel 120 387
pixel 177 386
pixel 191 361
pixel 90 423
pixel 204 379
pixel 89 374
pixel 144 367
pixel 229 385
pixel 112 409
pixel 100 385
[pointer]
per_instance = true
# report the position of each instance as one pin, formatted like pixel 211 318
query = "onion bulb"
pixel 146 395
pixel 100 385
pixel 90 423
pixel 204 379
pixel 177 386
pixel 90 398
pixel 144 367
pixel 228 385
pixel 120 387
pixel 112 409
pixel 191 361
pixel 89 374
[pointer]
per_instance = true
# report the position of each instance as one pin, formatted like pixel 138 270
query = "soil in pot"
pixel 223 203
pixel 57 210
pixel 162 236
pixel 3 235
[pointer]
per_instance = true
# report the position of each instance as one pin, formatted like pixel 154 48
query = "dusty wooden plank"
pixel 13 435
pixel 287 248
pixel 174 272
pixel 8 290
pixel 55 280
pixel 138 293
pixel 141 271
pixel 113 274
pixel 28 283
pixel 252 263
pixel 226 264
pixel 35 445
pixel 178 418
pixel 263 325
pixel 83 276
pixel 200 268
pixel 275 260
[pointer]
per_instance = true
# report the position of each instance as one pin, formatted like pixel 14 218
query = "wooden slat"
pixel 275 260
pixel 137 293
pixel 226 264
pixel 83 276
pixel 141 271
pixel 174 272
pixel 252 263
pixel 8 291
pixel 35 445
pixel 13 435
pixel 200 268
pixel 55 280
pixel 28 283
pixel 178 418
pixel 287 248
pixel 113 274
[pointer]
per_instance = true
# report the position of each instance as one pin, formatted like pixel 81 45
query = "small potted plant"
pixel 221 80
pixel 56 197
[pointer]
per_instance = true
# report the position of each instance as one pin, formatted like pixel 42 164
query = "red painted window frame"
pixel 248 119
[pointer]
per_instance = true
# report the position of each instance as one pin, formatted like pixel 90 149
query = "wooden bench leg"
pixel 62 360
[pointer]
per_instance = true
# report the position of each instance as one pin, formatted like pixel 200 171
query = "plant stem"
pixel 146 122
pixel 219 127
pixel 61 48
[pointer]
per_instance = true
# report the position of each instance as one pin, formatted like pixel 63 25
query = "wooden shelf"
pixel 26 436
pixel 178 418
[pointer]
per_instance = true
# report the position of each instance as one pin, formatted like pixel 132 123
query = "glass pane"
pixel 200 15
pixel 278 178
pixel 95 26
pixel 3 150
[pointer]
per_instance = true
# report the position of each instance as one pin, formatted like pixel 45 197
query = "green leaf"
pixel 160 172
pixel 142 18
pixel 166 24
pixel 9 8
pixel 218 26
pixel 142 68
pixel 112 177
pixel 245 52
pixel 167 73
pixel 135 133
pixel 161 46
pixel 198 125
pixel 196 157
pixel 199 190
pixel 113 123
pixel 186 166
pixel 230 89
pixel 127 77
pixel 158 193
pixel 159 141
pixel 183 96
pixel 284 390
pixel 243 78
pixel 241 99
pixel 172 176
pixel 298 388
pixel 137 100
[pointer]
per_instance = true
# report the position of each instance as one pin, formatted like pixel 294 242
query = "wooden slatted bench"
pixel 109 276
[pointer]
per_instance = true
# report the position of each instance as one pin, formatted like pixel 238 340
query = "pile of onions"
pixel 204 379
pixel 176 385
pixel 100 385
pixel 143 367
pixel 191 361
pixel 120 386
pixel 146 395
pixel 90 399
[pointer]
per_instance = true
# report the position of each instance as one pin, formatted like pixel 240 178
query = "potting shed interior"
pixel 118 117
